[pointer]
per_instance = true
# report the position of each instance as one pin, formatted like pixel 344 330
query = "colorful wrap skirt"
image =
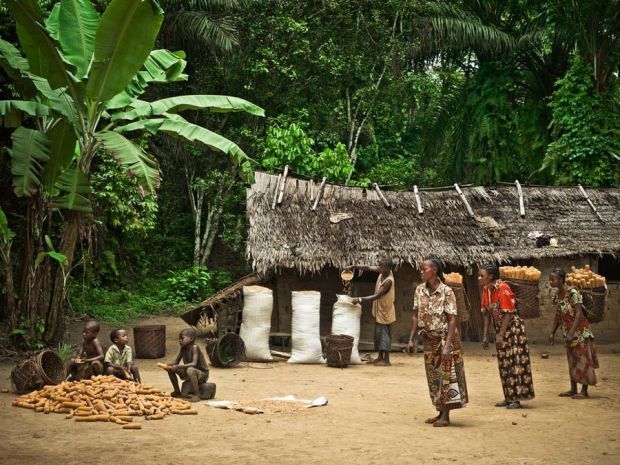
pixel 446 381
pixel 513 358
pixel 582 360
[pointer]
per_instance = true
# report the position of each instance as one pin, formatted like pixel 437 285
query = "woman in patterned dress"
pixel 434 314
pixel 578 336
pixel 513 356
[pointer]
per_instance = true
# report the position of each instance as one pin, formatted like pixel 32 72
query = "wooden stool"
pixel 206 390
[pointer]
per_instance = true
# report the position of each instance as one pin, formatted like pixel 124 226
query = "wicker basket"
pixel 50 367
pixel 25 377
pixel 338 349
pixel 594 303
pixel 227 351
pixel 150 341
pixel 462 309
pixel 526 292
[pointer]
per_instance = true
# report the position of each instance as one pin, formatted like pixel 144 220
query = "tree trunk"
pixel 11 309
pixel 55 322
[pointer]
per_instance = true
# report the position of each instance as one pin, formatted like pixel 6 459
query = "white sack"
pixel 256 322
pixel 306 337
pixel 346 320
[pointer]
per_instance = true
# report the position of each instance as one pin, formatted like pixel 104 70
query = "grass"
pixel 122 305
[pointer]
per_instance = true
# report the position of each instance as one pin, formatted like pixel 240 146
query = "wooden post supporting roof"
pixel 275 195
pixel 282 184
pixel 417 200
pixel 583 192
pixel 381 196
pixel 319 194
pixel 464 199
pixel 521 204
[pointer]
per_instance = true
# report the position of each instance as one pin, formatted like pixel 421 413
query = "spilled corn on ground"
pixel 105 398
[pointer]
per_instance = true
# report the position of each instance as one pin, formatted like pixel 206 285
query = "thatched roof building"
pixel 353 225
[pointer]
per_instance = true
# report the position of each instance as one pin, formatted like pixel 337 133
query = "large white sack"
pixel 346 320
pixel 306 337
pixel 256 322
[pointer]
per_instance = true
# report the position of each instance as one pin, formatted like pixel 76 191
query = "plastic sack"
pixel 256 322
pixel 346 320
pixel 306 334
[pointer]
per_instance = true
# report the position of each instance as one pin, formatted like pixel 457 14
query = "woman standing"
pixel 578 336
pixel 434 314
pixel 513 356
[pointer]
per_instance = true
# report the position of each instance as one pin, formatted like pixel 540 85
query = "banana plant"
pixel 81 82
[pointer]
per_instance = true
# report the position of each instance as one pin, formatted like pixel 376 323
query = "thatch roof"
pixel 353 226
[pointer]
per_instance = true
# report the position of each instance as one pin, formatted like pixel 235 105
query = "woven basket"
pixel 526 292
pixel 227 351
pixel 594 303
pixel 462 309
pixel 338 349
pixel 150 341
pixel 25 377
pixel 50 367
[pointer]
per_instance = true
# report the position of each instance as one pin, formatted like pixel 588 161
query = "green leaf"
pixel 213 103
pixel 176 125
pixel 5 233
pixel 75 189
pixel 41 49
pixel 161 66
pixel 48 241
pixel 57 256
pixel 124 39
pixel 29 153
pixel 132 157
pixel 16 66
pixel 78 21
pixel 40 257
pixel 13 112
pixel 51 23
pixel 62 152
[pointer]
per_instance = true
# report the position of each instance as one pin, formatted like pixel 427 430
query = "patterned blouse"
pixel 433 307
pixel 498 300
pixel 566 314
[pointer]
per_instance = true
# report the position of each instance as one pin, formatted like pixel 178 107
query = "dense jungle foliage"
pixel 136 221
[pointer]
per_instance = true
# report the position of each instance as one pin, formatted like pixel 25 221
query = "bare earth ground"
pixel 375 415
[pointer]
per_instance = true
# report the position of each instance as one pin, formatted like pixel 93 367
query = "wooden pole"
pixel 583 192
pixel 275 195
pixel 319 194
pixel 281 194
pixel 381 196
pixel 311 190
pixel 521 204
pixel 417 200
pixel 464 199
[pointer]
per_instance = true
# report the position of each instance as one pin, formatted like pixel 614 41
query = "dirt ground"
pixel 374 415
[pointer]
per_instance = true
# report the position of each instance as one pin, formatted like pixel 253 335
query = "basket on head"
pixel 462 310
pixel 25 377
pixel 594 303
pixel 150 341
pixel 526 293
pixel 227 351
pixel 50 367
pixel 338 349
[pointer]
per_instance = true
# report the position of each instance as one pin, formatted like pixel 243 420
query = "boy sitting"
pixel 193 369
pixel 119 358
pixel 90 357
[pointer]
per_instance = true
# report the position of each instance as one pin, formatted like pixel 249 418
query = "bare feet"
pixel 382 363
pixel 580 396
pixel 176 394
pixel 441 423
pixel 503 403
pixel 567 394
pixel 432 420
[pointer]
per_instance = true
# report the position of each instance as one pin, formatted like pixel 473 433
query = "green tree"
pixel 81 82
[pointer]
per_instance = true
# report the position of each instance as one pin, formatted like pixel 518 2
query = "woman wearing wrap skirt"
pixel 513 355
pixel 434 314
pixel 578 336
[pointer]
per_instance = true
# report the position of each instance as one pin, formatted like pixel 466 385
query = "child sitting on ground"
pixel 193 369
pixel 90 357
pixel 119 357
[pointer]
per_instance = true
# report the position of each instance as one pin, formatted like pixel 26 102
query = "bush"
pixel 194 284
